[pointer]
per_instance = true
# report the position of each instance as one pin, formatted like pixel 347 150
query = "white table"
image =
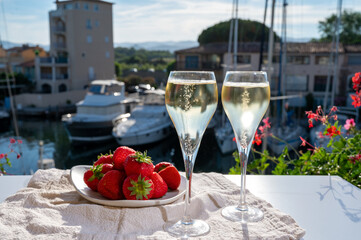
pixel 327 207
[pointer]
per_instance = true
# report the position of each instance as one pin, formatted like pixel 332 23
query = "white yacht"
pixel 224 137
pixel 147 124
pixel 104 101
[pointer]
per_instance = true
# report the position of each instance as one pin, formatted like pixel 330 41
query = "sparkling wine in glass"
pixel 245 99
pixel 191 100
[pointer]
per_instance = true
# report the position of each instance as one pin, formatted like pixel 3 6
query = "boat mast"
pixel 269 59
pixel 235 40
pixel 333 59
pixel 335 69
pixel 262 37
pixel 270 44
pixel 282 65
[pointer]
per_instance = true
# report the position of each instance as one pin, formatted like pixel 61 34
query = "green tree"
pixel 349 29
pixel 248 31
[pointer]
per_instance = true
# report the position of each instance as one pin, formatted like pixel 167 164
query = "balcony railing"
pixel 61 60
pixel 61 76
pixel 59 29
pixel 59 45
pixel 46 76
pixel 56 60
pixel 45 60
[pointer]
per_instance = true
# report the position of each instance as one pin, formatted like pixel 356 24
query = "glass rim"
pixel 211 72
pixel 192 76
pixel 246 72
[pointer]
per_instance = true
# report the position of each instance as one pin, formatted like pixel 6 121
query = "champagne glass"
pixel 245 99
pixel 191 99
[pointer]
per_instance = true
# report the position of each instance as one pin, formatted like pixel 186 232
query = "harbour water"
pixel 57 146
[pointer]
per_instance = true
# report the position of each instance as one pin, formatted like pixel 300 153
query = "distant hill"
pixel 7 45
pixel 170 46
pixel 164 46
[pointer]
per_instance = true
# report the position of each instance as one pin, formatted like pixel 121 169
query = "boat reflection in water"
pixel 104 102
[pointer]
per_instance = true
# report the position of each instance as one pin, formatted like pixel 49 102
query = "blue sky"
pixel 167 20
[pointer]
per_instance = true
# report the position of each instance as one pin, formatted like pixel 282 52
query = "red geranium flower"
pixel 332 131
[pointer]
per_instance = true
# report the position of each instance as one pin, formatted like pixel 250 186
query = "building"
pixel 21 59
pixel 81 46
pixel 306 70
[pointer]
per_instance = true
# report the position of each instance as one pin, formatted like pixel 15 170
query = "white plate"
pixel 77 173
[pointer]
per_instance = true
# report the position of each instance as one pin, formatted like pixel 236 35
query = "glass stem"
pixel 243 157
pixel 188 163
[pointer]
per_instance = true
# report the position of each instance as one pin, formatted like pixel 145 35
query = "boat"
pixel 290 136
pixel 224 138
pixel 93 120
pixel 146 124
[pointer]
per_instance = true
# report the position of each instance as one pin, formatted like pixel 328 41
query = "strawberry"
pixel 94 174
pixel 102 159
pixel 110 186
pixel 137 187
pixel 119 156
pixel 171 176
pixel 160 166
pixel 160 187
pixel 138 163
pixel 90 180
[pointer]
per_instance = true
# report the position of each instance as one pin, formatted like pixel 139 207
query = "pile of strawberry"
pixel 128 174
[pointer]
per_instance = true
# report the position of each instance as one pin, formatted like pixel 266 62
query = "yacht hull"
pixel 145 137
pixel 89 132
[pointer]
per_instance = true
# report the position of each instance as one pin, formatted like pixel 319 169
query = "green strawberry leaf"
pixel 140 188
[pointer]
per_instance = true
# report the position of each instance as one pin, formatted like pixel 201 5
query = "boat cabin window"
pixel 114 88
pixel 95 89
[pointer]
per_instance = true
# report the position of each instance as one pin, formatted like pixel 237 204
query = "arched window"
pixel 62 88
pixel 46 88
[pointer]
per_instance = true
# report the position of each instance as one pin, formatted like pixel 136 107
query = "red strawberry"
pixel 90 180
pixel 119 156
pixel 94 174
pixel 103 159
pixel 138 163
pixel 160 166
pixel 110 186
pixel 160 187
pixel 137 187
pixel 171 176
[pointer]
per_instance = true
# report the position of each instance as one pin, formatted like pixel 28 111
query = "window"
pixel 107 55
pixel 96 7
pixel 86 6
pixel 275 59
pixel 296 83
pixel 76 5
pixel 89 39
pixel 244 59
pixel 320 84
pixel 298 59
pixel 191 62
pixel 354 60
pixel 88 24
pixel 68 6
pixel 322 60
pixel 106 39
pixel 96 23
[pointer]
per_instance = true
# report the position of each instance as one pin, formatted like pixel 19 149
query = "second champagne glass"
pixel 245 99
pixel 191 100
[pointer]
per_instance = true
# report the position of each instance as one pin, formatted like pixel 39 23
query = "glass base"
pixel 235 214
pixel 193 229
